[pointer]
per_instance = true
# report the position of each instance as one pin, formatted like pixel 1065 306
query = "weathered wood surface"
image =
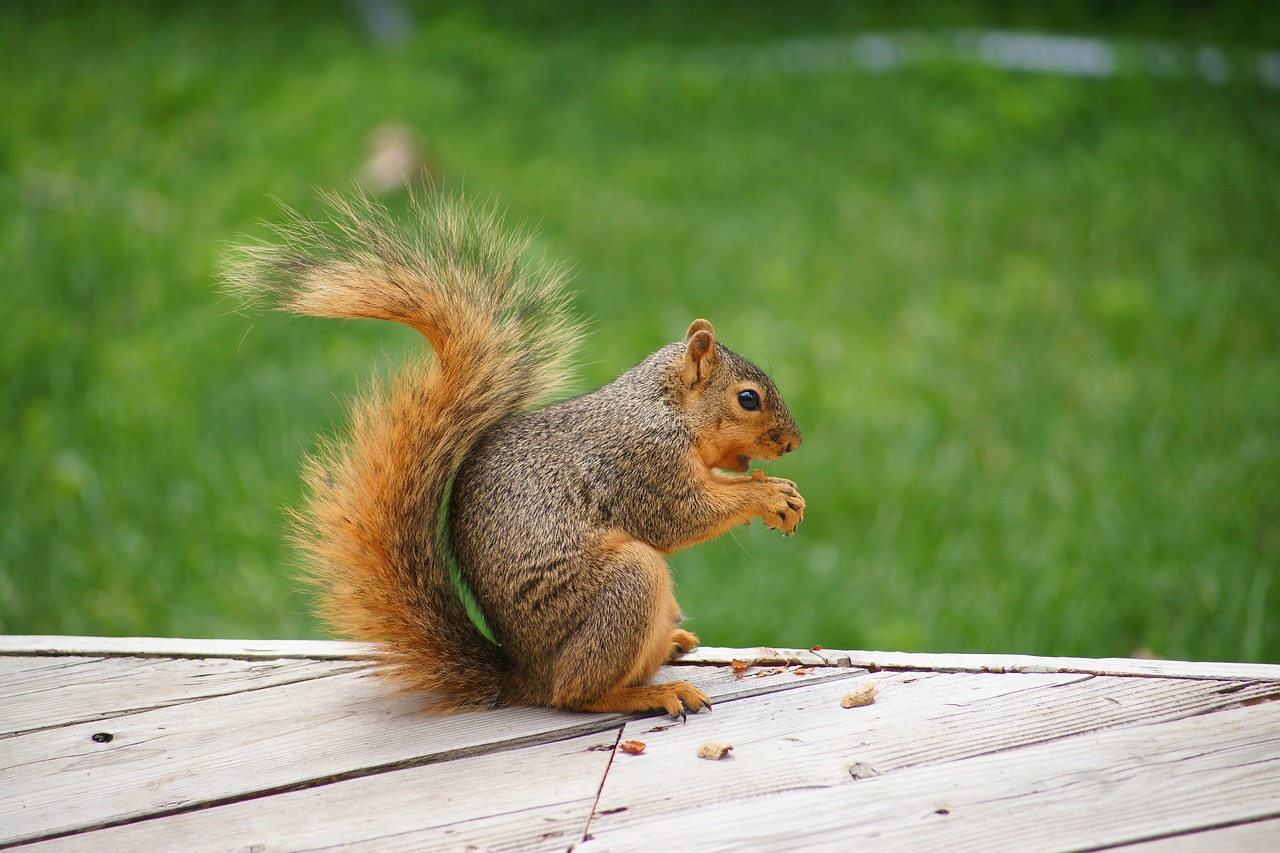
pixel 219 745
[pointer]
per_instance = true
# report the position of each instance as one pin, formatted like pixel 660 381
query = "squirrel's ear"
pixel 700 326
pixel 699 353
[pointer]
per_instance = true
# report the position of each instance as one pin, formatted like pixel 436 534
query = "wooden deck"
pixel 151 744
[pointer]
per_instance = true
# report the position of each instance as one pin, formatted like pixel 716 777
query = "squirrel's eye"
pixel 749 400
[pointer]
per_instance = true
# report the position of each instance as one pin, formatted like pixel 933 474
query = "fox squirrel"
pixel 558 517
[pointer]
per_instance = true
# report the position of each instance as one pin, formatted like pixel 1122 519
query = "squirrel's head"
pixel 736 413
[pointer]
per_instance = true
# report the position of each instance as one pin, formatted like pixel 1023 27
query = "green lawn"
pixel 1029 323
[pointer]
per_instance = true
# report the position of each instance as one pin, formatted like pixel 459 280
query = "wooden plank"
pixel 43 692
pixel 229 747
pixel 170 647
pixel 1089 791
pixel 804 738
pixel 897 661
pixel 248 722
pixel 535 798
pixel 917 661
pixel 238 745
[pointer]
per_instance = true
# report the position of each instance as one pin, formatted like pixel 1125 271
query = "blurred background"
pixel 1016 268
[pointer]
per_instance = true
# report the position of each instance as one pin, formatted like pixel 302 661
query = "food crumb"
pixel 632 747
pixel 863 694
pixel 714 750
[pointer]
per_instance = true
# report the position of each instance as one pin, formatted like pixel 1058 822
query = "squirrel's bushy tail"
pixel 503 336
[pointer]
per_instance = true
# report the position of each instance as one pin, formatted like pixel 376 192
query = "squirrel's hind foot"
pixel 676 698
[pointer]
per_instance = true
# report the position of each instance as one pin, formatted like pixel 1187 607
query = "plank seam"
pixel 1169 717
pixel 872 667
pixel 1228 824
pixel 177 654
pixel 604 777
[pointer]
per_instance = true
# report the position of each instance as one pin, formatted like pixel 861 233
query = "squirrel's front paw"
pixel 782 508
pixel 682 641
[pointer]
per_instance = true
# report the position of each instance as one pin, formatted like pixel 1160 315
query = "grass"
pixel 1028 323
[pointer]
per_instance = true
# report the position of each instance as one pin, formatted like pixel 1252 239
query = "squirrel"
pixel 556 518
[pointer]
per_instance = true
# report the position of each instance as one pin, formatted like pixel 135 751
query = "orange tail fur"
pixel 370 527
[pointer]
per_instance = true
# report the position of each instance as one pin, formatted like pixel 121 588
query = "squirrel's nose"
pixel 791 444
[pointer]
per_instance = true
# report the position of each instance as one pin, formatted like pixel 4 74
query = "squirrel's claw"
pixel 683 714
pixel 685 699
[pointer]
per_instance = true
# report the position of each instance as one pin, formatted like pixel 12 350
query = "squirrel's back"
pixel 535 496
